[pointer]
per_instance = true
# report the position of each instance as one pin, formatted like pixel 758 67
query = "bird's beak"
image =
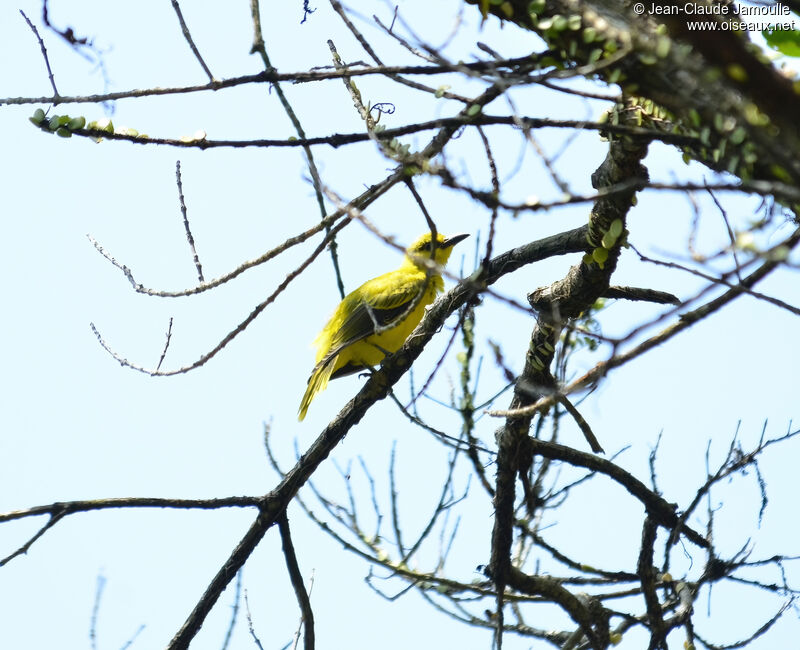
pixel 452 241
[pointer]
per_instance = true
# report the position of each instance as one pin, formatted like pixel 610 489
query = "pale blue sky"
pixel 76 425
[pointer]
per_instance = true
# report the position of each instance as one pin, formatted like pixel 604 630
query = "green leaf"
pixel 574 22
pixel 615 76
pixel 600 255
pixel 536 7
pixel 785 41
pixel 663 45
pixel 559 23
pixel 608 241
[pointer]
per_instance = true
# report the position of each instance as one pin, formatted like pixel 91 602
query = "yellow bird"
pixel 377 318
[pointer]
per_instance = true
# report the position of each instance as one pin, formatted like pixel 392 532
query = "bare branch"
pixel 61 509
pixel 186 227
pixel 688 319
pixel 260 48
pixel 55 99
pixel 647 576
pixel 188 36
pixel 296 577
pixel 646 295
pixel 250 626
pixel 166 345
pixel 582 424
pixel 54 519
pixel 234 611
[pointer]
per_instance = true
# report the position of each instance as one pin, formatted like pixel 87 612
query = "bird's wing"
pixel 382 301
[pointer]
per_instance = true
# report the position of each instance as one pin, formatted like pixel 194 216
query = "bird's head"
pixel 420 250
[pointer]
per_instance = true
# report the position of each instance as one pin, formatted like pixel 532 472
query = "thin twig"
pixel 98 595
pixel 260 47
pixel 560 183
pixel 64 508
pixel 340 139
pixel 273 76
pixel 495 190
pixel 234 610
pixel 735 461
pixel 428 219
pixel 723 280
pixel 55 99
pixel 337 7
pixel 251 628
pixel 307 614
pixel 582 424
pixel 187 35
pixel 728 228
pixel 241 327
pixel 54 519
pixel 355 94
pixel 688 319
pixel 363 200
pixel 186 227
pixel 658 508
pixel 393 505
pixel 166 345
pixel 133 637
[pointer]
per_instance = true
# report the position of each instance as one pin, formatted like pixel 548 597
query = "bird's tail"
pixel 316 383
